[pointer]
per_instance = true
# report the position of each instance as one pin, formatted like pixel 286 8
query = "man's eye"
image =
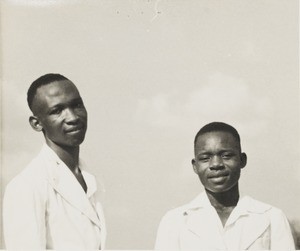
pixel 78 105
pixel 204 158
pixel 55 111
pixel 227 156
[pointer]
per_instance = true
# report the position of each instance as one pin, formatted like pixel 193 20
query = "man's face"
pixel 60 113
pixel 218 161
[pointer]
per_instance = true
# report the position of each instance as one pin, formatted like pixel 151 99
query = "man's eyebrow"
pixel 79 99
pixel 75 100
pixel 221 151
pixel 203 152
pixel 56 105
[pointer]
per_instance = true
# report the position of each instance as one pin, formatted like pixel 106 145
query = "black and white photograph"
pixel 150 124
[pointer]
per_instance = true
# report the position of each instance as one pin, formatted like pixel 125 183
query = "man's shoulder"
pixel 181 211
pixel 257 206
pixel 33 173
pixel 177 211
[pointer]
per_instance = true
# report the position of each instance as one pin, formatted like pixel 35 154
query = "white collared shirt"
pixel 45 207
pixel 251 225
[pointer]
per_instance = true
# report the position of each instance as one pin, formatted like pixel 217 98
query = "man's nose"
pixel 70 116
pixel 216 162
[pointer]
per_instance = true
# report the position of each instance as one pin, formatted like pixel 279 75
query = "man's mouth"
pixel 74 129
pixel 218 178
pixel 218 175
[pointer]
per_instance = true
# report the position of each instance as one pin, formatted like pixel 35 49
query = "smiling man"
pixel 218 219
pixel 52 203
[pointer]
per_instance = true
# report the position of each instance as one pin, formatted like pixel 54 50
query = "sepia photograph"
pixel 150 124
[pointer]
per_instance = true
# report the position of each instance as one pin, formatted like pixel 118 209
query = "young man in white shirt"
pixel 52 203
pixel 218 218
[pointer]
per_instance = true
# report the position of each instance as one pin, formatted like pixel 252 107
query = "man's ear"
pixel 35 123
pixel 243 160
pixel 194 166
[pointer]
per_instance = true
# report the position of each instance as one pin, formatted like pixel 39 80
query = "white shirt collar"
pixel 245 205
pixel 90 180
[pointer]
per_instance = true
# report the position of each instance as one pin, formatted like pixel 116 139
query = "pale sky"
pixel 151 74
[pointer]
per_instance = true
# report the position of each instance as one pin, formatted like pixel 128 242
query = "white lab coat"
pixel 251 225
pixel 45 207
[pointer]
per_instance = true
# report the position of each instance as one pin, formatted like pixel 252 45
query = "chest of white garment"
pixel 68 227
pixel 203 230
pixel 72 220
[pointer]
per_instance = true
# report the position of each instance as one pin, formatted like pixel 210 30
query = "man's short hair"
pixel 218 127
pixel 41 81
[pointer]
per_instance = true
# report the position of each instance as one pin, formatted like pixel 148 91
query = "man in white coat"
pixel 218 219
pixel 52 203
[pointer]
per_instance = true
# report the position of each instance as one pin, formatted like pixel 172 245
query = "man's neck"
pixel 69 155
pixel 224 202
pixel 224 199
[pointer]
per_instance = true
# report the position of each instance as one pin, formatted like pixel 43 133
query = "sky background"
pixel 151 74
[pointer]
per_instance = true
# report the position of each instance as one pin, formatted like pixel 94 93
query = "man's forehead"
pixel 220 136
pixel 57 91
pixel 56 87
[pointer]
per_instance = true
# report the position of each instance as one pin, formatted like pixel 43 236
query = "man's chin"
pixel 217 190
pixel 75 143
pixel 71 143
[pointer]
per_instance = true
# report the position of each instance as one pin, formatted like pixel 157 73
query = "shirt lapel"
pixel 255 221
pixel 254 227
pixel 253 212
pixel 65 183
pixel 200 215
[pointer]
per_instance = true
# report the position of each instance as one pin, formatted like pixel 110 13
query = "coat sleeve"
pixel 281 235
pixel 24 216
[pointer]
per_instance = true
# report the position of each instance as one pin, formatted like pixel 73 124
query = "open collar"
pixel 201 201
pixel 246 205
pixel 65 183
pixel 200 214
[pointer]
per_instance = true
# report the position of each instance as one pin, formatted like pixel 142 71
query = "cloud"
pixel 221 98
